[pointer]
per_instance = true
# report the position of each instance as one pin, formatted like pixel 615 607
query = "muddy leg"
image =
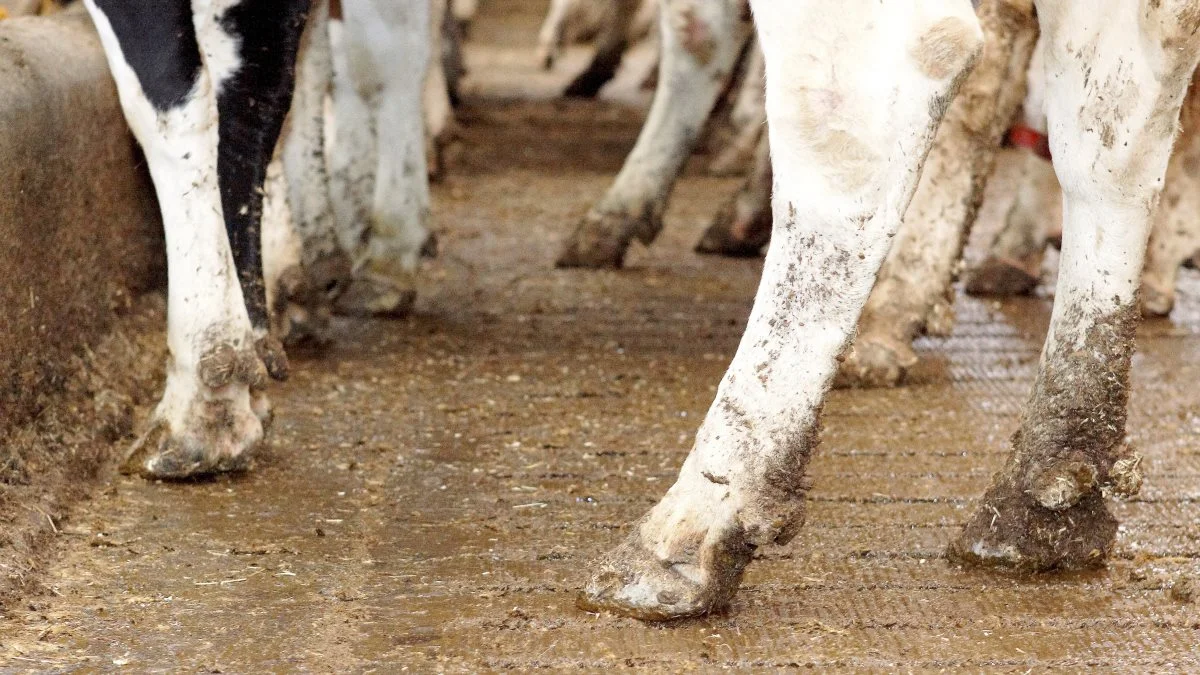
pixel 915 282
pixel 845 170
pixel 386 46
pixel 309 272
pixel 1175 236
pixel 743 225
pixel 1113 106
pixel 699 46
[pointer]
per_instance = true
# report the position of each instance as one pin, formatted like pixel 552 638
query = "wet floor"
pixel 435 488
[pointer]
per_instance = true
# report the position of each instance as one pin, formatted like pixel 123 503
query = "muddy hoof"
pixel 372 297
pixel 161 454
pixel 271 352
pixel 379 289
pixel 429 249
pixel 601 240
pixel 1001 277
pixel 1156 302
pixel 1012 529
pixel 874 363
pixel 631 581
pixel 305 300
pixel 735 237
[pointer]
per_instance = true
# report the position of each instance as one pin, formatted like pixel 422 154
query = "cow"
pixel 206 86
pixel 855 93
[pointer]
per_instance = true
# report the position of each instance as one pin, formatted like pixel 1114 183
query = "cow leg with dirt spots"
pixel 913 294
pixel 1034 220
pixel 700 44
pixel 205 87
pixel 854 95
pixel 1113 98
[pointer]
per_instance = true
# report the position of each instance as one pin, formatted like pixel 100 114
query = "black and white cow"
pixel 206 86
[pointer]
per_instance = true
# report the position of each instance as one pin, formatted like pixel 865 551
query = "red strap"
pixel 1022 136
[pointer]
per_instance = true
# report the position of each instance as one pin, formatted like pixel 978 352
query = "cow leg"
pixel 915 283
pixel 1013 265
pixel 212 412
pixel 386 45
pixel 748 116
pixel 610 48
pixel 1014 261
pixel 743 225
pixel 1175 236
pixel 305 283
pixel 1114 89
pixel 439 114
pixel 699 48
pixel 845 170
pixel 350 146
pixel 550 35
pixel 464 11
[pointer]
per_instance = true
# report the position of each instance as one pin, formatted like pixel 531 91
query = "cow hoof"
pixel 632 581
pixel 874 363
pixel 217 431
pixel 734 237
pixel 1001 277
pixel 389 293
pixel 306 296
pixel 1156 302
pixel 1032 531
pixel 601 240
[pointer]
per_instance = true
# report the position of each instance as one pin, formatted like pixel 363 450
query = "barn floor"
pixel 435 488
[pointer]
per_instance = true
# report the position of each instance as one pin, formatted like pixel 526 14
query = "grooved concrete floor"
pixel 435 488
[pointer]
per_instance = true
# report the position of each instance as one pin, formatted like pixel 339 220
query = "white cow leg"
pixel 1175 234
pixel 386 47
pixel 439 114
pixel 1014 262
pixel 743 224
pixel 1114 89
pixel 748 117
pixel 845 170
pixel 1013 265
pixel 699 46
pixel 309 279
pixel 914 293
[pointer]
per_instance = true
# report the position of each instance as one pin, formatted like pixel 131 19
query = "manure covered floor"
pixel 435 488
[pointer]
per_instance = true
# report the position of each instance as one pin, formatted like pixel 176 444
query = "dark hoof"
pixel 586 86
pixel 736 237
pixel 1011 529
pixel 368 297
pixel 1002 278
pixel 601 240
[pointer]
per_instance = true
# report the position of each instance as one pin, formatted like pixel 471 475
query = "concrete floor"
pixel 435 488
